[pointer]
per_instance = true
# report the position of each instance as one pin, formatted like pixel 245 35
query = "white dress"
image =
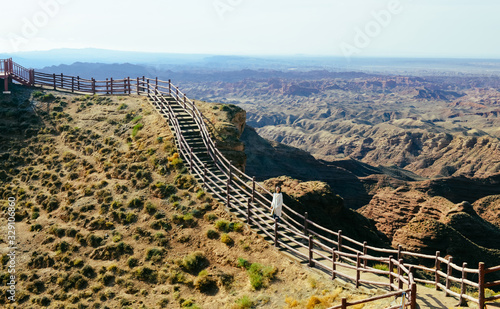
pixel 277 203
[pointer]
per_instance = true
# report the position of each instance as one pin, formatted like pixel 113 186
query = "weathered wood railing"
pixel 3 66
pixel 11 69
pixel 297 233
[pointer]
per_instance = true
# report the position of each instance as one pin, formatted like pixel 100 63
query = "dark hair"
pixel 278 187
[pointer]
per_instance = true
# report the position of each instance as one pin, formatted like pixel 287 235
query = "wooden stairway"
pixel 9 70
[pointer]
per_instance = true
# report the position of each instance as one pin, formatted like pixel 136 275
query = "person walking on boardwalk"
pixel 276 204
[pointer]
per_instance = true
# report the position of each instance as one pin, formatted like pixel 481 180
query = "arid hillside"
pixel 431 126
pixel 108 217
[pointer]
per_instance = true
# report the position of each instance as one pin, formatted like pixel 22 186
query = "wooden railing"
pixel 297 233
pixel 16 71
pixel 3 66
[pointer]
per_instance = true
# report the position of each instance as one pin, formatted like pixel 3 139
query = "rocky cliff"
pixel 428 224
pixel 226 123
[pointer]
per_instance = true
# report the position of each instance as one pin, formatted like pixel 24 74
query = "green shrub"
pixel 194 262
pixel 238 227
pixel 36 227
pixel 135 203
pixel 150 208
pixel 163 303
pixel 132 262
pixel 188 219
pixel 136 129
pixel 210 217
pixel 200 194
pixel 130 218
pixel 78 263
pixel 47 97
pixel 189 304
pixel 204 282
pixel 88 271
pixel 184 181
pixel 37 94
pixel 177 163
pixel 63 246
pixel 154 253
pixel 136 119
pixel 222 225
pixel 244 303
pixel 162 190
pixel 145 274
pixel 176 277
pixel 260 275
pixel 383 267
pixel 93 240
pixel 256 280
pixel 117 237
pixel 225 238
pixel 212 234
pixel 242 263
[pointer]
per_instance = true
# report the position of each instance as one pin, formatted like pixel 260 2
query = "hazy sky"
pixel 405 28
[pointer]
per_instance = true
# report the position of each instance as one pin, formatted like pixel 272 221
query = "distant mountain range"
pixel 206 62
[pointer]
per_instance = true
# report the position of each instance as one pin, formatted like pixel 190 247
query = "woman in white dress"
pixel 276 204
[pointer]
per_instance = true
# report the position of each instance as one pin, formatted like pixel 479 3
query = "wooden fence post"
pixel 275 232
pixel 93 86
pixel 248 211
pixel 54 77
pixel 62 81
pixel 138 82
pixel 32 77
pixel 128 83
pixel 344 303
pixel 191 160
pixel 391 278
pixel 400 274
pixel 399 252
pixel 339 240
pixel 111 85
pixel 107 86
pixel 358 266
pixel 228 202
pixel 78 83
pixel 448 274
pixel 413 296
pixel 156 82
pixel 305 223
pixel 253 187
pixel 72 84
pixel 184 102
pixel 461 301
pixel 481 282
pixel 411 273
pixel 365 250
pixel 311 262
pixel 334 268
pixel 438 268
pixel 147 82
pixel 205 176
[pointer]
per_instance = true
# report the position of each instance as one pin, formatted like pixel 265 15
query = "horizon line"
pixel 299 55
